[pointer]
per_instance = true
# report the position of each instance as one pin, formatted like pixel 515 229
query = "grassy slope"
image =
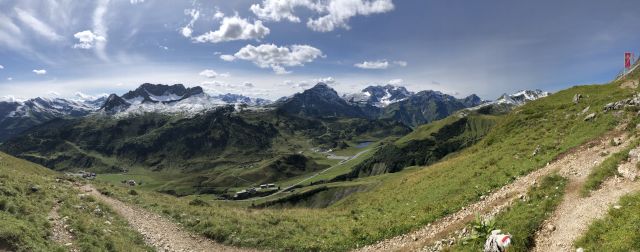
pixel 618 231
pixel 608 168
pixel 23 214
pixel 404 201
pixel 524 218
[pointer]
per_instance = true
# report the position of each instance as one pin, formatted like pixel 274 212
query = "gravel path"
pixel 574 214
pixel 158 232
pixel 60 230
pixel 577 162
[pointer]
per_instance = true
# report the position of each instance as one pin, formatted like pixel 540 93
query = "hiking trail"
pixel 578 161
pixel 158 232
pixel 60 232
pixel 572 217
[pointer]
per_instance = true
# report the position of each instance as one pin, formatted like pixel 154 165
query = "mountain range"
pixel 373 102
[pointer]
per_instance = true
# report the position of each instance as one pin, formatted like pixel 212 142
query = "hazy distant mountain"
pixel 379 96
pixel 16 116
pixel 176 98
pixel 319 101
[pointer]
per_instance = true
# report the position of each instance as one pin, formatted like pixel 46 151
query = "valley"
pixel 393 180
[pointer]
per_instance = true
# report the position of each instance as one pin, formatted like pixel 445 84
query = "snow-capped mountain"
pixel 379 96
pixel 17 115
pixel 172 99
pixel 521 97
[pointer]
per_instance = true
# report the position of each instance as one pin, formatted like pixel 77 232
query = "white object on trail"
pixel 497 242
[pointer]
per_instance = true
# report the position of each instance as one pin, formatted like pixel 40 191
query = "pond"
pixel 363 145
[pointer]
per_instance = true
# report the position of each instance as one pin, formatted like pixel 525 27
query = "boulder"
pixel 576 98
pixel 590 117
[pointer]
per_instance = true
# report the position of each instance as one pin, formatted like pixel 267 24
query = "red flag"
pixel 627 60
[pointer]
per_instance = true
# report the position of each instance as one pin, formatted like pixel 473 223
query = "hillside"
pixel 208 150
pixel 520 142
pixel 40 210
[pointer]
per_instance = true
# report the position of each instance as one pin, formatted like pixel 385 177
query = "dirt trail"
pixel 59 229
pixel 577 162
pixel 574 214
pixel 158 232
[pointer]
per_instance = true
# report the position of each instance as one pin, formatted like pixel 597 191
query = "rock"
pixel 107 222
pixel 580 250
pixel 34 188
pixel 576 98
pixel 617 206
pixel 585 110
pixel 551 227
pixel 536 151
pixel 590 117
pixel 617 141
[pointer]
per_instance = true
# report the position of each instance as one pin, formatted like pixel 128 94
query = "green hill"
pixel 28 193
pixel 396 203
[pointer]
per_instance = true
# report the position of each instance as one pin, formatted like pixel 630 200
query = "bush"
pixel 133 192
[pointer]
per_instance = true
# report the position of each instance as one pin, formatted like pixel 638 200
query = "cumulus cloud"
pixel 85 97
pixel 87 39
pixel 327 80
pixel 396 81
pixel 277 58
pixel 333 13
pixel 213 74
pixel 379 64
pixel 227 57
pixel 187 30
pixel 38 26
pixel 234 28
pixel 40 71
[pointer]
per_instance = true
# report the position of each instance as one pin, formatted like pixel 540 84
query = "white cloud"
pixel 227 57
pixel 299 84
pixel 276 58
pixel 136 1
pixel 396 81
pixel 379 64
pixel 86 97
pixel 9 78
pixel 208 73
pixel 334 13
pixel 248 85
pixel 101 29
pixel 234 28
pixel 327 80
pixel 187 30
pixel 37 25
pixel 54 93
pixel 40 71
pixel 218 15
pixel 87 39
pixel 1 67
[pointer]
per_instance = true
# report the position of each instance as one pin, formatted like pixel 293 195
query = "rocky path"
pixel 578 162
pixel 158 232
pixel 574 214
pixel 60 232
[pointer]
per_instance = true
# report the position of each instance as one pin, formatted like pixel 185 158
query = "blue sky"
pixel 267 48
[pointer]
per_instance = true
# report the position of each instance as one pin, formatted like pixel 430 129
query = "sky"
pixel 274 48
